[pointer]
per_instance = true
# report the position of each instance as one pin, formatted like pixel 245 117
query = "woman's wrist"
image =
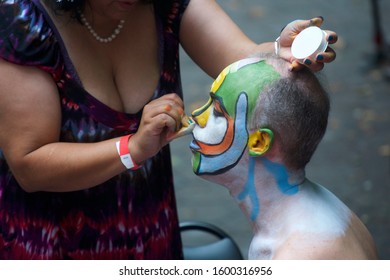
pixel 125 154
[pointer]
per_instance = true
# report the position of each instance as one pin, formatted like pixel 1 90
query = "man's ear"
pixel 260 141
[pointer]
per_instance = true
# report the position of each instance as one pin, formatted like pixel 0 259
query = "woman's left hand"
pixel 288 35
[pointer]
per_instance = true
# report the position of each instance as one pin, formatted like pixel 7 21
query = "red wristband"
pixel 124 153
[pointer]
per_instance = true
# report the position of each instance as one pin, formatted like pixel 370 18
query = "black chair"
pixel 223 249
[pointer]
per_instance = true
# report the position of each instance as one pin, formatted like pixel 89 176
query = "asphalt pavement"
pixel 353 159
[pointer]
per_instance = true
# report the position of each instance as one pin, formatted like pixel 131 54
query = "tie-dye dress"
pixel 131 216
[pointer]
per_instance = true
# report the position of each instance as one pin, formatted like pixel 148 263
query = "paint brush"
pixel 187 125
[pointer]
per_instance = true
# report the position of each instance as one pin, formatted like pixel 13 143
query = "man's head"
pixel 252 103
pixel 295 108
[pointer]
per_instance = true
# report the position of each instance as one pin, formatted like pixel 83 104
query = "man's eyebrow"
pixel 216 97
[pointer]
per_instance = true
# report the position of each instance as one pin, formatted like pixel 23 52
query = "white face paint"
pixel 214 131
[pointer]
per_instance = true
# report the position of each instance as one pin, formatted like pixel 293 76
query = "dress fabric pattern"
pixel 131 216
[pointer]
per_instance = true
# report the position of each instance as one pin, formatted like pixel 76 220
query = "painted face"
pixel 221 134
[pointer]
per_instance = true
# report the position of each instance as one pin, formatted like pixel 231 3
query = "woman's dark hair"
pixel 67 6
pixel 73 7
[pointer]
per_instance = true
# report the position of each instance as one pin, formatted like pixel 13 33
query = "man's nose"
pixel 201 118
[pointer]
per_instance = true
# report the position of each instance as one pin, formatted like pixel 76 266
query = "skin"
pixel 124 80
pixel 291 217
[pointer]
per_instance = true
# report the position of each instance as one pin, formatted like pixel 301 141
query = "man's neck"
pixel 265 186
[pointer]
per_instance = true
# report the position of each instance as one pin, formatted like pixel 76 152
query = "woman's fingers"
pixel 328 56
pixel 159 117
pixel 164 112
pixel 314 63
pixel 331 36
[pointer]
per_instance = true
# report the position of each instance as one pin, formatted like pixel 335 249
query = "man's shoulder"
pixel 311 246
pixel 308 246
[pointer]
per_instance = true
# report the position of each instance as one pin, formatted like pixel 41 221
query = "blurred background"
pixel 353 159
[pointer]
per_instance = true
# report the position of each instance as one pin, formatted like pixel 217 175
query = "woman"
pixel 77 80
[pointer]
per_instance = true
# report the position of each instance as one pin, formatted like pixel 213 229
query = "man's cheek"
pixel 213 133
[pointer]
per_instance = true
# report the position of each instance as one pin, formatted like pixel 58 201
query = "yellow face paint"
pixel 260 141
pixel 253 139
pixel 202 114
pixel 219 80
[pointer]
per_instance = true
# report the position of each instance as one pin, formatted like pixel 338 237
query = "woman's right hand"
pixel 159 117
pixel 288 35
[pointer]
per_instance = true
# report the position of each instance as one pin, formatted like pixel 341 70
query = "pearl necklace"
pixel 108 39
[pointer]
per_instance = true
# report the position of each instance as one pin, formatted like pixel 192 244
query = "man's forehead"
pixel 248 76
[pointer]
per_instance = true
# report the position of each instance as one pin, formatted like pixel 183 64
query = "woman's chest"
pixel 122 74
pixel 125 80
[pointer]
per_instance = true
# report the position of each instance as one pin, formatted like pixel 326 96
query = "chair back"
pixel 223 249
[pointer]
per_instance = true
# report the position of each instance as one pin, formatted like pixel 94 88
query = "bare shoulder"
pixel 15 77
pixel 355 244
pixel 23 87
pixel 306 247
pixel 323 227
pixel 29 108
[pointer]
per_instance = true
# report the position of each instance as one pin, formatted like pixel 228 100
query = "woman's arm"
pixel 30 119
pixel 214 41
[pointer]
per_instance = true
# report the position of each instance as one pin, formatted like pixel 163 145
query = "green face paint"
pixel 195 162
pixel 249 76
